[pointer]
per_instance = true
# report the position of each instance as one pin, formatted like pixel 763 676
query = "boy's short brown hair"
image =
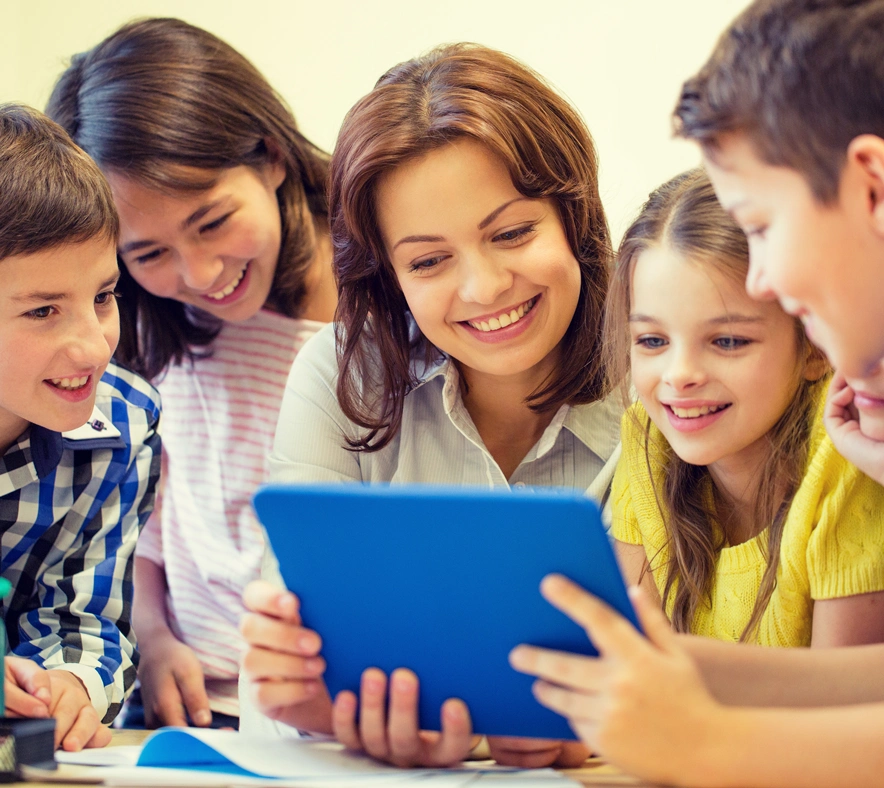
pixel 51 192
pixel 800 78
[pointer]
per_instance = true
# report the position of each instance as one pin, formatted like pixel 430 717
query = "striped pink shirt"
pixel 219 418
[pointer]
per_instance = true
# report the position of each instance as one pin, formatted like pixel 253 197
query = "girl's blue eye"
pixel 651 343
pixel 40 313
pixel 731 343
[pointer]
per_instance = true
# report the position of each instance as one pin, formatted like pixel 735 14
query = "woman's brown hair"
pixel 456 92
pixel 685 216
pixel 160 96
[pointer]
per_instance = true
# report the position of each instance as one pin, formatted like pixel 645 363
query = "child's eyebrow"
pixel 723 319
pixel 198 214
pixel 42 295
pixel 39 296
pixel 736 319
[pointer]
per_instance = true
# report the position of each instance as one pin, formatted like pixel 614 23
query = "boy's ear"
pixel 865 157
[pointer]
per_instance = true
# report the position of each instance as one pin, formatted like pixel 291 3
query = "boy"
pixel 79 448
pixel 789 113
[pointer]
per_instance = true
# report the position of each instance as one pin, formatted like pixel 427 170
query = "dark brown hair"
pixel 800 78
pixel 684 215
pixel 158 96
pixel 456 92
pixel 51 193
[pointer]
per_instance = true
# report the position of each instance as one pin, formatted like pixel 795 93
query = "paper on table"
pixel 122 755
pixel 200 757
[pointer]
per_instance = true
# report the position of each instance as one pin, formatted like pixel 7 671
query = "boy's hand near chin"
pixel 33 691
pixel 843 425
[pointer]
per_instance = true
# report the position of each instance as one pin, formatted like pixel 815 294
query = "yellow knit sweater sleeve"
pixel 845 551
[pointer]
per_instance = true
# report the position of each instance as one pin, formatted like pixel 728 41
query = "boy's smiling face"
pixel 59 325
pixel 825 263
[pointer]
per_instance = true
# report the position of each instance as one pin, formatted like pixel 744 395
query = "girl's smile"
pixel 714 369
pixel 233 291
pixel 691 417
pixel 216 249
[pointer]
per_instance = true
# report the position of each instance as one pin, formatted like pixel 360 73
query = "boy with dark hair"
pixel 789 113
pixel 79 448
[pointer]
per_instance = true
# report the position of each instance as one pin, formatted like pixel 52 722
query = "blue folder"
pixel 444 581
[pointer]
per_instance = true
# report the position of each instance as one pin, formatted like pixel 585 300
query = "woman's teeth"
pixel 693 413
pixel 229 289
pixel 70 383
pixel 504 319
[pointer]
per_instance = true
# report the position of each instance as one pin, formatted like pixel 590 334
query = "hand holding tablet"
pixel 444 582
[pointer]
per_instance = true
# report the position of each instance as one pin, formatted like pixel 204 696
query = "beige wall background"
pixel 621 62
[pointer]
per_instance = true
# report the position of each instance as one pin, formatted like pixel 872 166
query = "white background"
pixel 621 62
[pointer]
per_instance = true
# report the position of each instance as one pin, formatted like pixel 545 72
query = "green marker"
pixel 5 588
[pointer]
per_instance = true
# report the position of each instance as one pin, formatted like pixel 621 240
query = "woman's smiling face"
pixel 488 273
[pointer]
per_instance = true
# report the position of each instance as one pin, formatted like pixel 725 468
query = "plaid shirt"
pixel 71 507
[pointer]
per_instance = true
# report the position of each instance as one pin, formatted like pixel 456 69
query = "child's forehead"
pixel 697 286
pixel 72 261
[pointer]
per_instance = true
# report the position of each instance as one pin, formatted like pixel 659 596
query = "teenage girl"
pixel 730 501
pixel 471 253
pixel 225 273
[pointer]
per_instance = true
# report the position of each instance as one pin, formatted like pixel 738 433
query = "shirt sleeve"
pixel 82 622
pixel 845 552
pixel 312 431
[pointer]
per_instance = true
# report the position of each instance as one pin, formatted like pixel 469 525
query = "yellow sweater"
pixel 832 544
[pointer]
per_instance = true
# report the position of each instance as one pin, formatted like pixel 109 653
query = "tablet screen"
pixel 444 581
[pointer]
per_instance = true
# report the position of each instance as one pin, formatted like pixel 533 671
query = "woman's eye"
pixel 731 343
pixel 425 265
pixel 651 343
pixel 215 224
pixel 512 237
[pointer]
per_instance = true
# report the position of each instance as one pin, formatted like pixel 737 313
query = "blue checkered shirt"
pixel 71 507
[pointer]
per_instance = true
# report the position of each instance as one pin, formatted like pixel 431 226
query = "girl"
pixel 471 253
pixel 730 503
pixel 226 271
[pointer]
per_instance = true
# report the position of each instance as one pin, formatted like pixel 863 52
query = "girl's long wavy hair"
pixel 685 216
pixel 157 97
pixel 461 91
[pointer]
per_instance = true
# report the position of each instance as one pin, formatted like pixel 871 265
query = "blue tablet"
pixel 444 581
